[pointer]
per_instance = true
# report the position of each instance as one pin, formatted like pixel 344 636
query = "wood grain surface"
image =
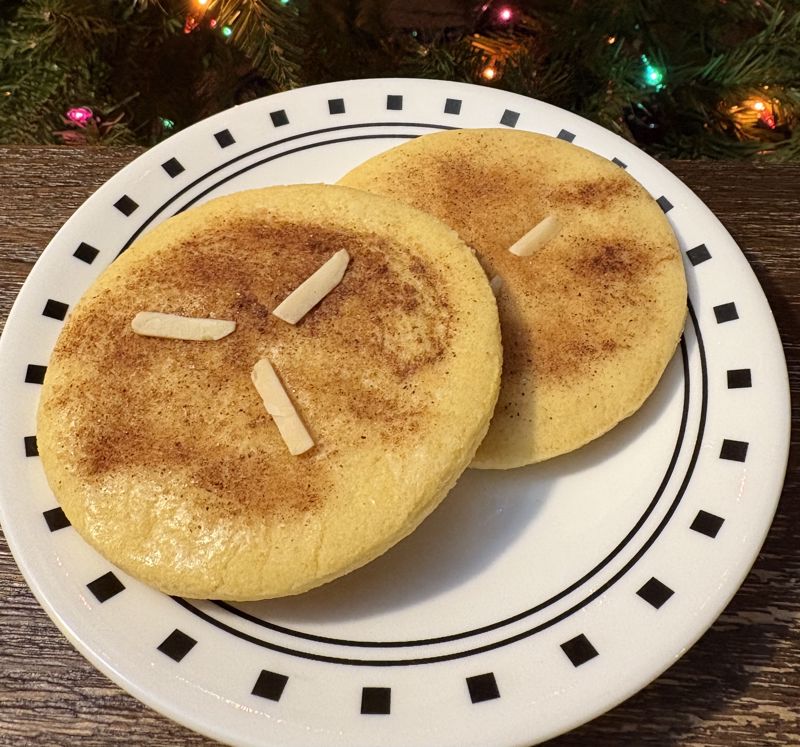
pixel 739 685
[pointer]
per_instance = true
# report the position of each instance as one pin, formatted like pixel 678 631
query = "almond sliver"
pixel 544 231
pixel 156 324
pixel 313 289
pixel 280 407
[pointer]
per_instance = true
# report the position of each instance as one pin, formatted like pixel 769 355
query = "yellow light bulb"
pixel 759 106
pixel 489 72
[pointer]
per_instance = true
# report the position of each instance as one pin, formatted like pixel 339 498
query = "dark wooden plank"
pixel 740 684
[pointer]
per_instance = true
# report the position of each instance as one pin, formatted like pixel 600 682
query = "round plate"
pixel 533 599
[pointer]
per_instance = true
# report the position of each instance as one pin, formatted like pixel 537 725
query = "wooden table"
pixel 740 685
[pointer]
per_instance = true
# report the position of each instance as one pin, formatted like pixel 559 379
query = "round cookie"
pixel 591 319
pixel 160 451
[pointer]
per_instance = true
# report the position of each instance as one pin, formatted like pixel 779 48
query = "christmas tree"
pixel 701 78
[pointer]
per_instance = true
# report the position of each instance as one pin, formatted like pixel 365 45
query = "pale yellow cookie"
pixel 591 316
pixel 161 450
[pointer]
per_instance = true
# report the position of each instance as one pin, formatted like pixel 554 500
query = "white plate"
pixel 532 600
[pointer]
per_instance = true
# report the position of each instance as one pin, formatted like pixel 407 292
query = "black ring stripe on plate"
pixel 538 628
pixel 376 700
pixel 483 687
pixel 55 309
pixel 273 144
pixel 176 645
pixel 56 519
pixel 404 643
pixel 35 374
pixel 655 593
pixel 381 135
pixel 31 447
pixel 85 253
pixel 739 378
pixel 270 685
pixel 105 587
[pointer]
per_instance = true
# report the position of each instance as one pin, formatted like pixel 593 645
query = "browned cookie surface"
pixel 161 450
pixel 589 320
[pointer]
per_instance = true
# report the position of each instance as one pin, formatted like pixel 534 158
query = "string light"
pixel 505 14
pixel 80 115
pixel 653 76
pixel 166 123
pixel 611 39
pixel 489 72
pixel 227 31
pixel 202 2
pixel 759 105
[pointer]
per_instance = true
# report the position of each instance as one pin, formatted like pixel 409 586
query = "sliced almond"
pixel 280 407
pixel 156 324
pixel 497 283
pixel 544 231
pixel 313 289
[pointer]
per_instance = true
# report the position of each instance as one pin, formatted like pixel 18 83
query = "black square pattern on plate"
pixel 707 523
pixel 509 118
pixel 173 167
pixel 336 106
pixel 698 254
pixel 579 650
pixel 177 644
pixel 566 135
pixel 655 593
pixel 452 106
pixel 56 519
pixel 619 163
pixel 224 138
pixel 35 374
pixel 85 253
pixel 55 309
pixel 106 586
pixel 664 204
pixel 279 118
pixel 734 451
pixel 376 700
pixel 31 447
pixel 726 312
pixel 482 687
pixel 739 378
pixel 126 205
pixel 394 102
pixel 270 685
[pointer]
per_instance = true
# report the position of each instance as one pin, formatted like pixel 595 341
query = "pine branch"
pixel 262 30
